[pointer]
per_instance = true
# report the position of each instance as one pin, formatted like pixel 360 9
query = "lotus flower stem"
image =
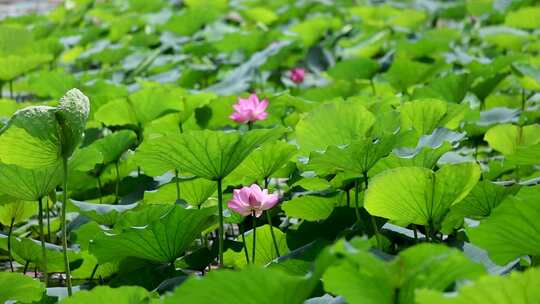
pixel 372 218
pixel 10 231
pixel 42 239
pixel 220 230
pixel 11 89
pixel 47 211
pixel 25 269
pixel 356 192
pixel 117 187
pixel 94 272
pixel 348 196
pixel 100 193
pixel 254 237
pixel 177 184
pixel 372 86
pixel 64 226
pixel 269 219
pixel 244 242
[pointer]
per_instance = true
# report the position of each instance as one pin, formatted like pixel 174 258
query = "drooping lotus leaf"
pixel 17 210
pixel 507 138
pixel 27 184
pixel 450 88
pixel 112 146
pixel 163 240
pixel 518 287
pixel 265 251
pixel 333 124
pixel 85 159
pixel 358 157
pixel 419 195
pixel 479 203
pixel 263 162
pixel 208 154
pixel 20 288
pixel 31 138
pixel 422 115
pixel 39 136
pixel 361 277
pixel 71 117
pixel 29 250
pixel 194 191
pixel 310 208
pixel 13 66
pixel 426 152
pixel 511 230
pixel 103 214
pixel 104 294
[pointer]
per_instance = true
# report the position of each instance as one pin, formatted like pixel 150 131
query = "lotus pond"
pixel 280 152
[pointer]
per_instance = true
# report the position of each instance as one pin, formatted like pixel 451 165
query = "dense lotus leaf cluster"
pixel 219 151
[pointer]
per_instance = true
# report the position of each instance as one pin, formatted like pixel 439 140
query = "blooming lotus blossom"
pixel 252 199
pixel 297 75
pixel 250 109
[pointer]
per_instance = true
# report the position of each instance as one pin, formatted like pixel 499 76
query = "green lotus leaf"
pixel 311 30
pixel 29 185
pixel 114 145
pixel 104 294
pixel 15 39
pixel 529 75
pixel 333 124
pixel 29 250
pixel 451 88
pixel 51 83
pixel 117 112
pixel 13 66
pixel 210 154
pixel 310 208
pixel 361 277
pixel 31 138
pixel 419 195
pixel 356 68
pixel 263 162
pixel 265 251
pixel 507 138
pixel 20 288
pixel 72 114
pixel 18 211
pixel 85 159
pixel 479 203
pixel 252 285
pixel 404 73
pixel 511 230
pixel 518 287
pixel 358 157
pixel 103 214
pixel 163 240
pixel 524 155
pixel 194 191
pixel 39 136
pixel 525 18
pixel 423 115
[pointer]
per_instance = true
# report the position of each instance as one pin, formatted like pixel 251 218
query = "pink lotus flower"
pixel 252 199
pixel 297 75
pixel 250 109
